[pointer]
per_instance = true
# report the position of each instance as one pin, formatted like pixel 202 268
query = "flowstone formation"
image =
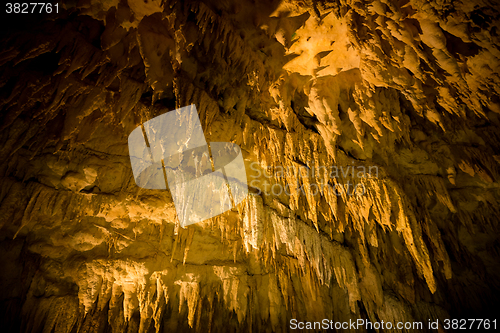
pixel 370 135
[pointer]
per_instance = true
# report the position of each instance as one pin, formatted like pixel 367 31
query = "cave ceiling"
pixel 396 99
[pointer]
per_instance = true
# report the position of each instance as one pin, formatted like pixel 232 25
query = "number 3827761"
pixel 31 8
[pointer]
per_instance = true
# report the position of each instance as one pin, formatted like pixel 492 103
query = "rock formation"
pixel 394 103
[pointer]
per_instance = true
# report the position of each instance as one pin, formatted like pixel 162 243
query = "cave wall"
pixel 407 87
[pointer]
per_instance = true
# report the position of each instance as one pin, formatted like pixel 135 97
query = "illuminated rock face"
pixel 399 98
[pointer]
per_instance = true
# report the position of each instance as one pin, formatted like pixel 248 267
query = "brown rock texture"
pixel 407 88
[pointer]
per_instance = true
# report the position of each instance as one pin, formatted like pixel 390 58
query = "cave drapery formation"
pixel 408 86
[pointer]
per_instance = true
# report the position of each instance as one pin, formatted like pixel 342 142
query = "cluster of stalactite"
pixel 407 88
